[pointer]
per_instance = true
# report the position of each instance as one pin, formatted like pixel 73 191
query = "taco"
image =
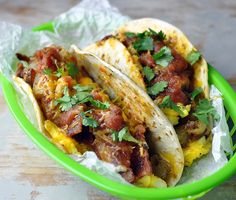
pixel 84 104
pixel 160 59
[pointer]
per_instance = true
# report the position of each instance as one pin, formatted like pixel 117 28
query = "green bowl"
pixel 185 191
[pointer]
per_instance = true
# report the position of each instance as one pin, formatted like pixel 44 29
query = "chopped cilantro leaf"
pixel 168 103
pixel 163 57
pixel 157 88
pixel 72 69
pixel 114 135
pixel 204 109
pixel 88 121
pixel 83 88
pixel 193 57
pixel 148 33
pixel 130 34
pixel 82 96
pixel 148 72
pixel 59 72
pixel 160 35
pixel 100 104
pixel 143 34
pixel 143 44
pixel 47 71
pixel 196 92
pixel 65 101
pixel 123 134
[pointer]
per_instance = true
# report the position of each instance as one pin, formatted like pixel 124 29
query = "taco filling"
pixel 168 81
pixel 79 115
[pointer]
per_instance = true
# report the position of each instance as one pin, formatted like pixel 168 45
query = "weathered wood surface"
pixel 26 172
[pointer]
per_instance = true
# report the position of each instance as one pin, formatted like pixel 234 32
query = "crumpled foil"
pixel 82 25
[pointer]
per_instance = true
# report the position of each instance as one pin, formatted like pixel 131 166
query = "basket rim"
pixel 104 183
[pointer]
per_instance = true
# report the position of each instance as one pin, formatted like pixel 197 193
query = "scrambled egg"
pixel 59 138
pixel 174 116
pixel 151 182
pixel 85 81
pixel 196 149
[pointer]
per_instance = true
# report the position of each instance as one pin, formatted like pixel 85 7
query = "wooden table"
pixel 26 172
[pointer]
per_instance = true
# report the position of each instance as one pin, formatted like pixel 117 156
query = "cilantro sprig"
pixel 143 44
pixel 83 88
pixel 151 33
pixel 123 135
pixel 163 57
pixel 47 71
pixel 83 95
pixel 59 72
pixel 148 73
pixel 144 40
pixel 160 35
pixel 88 121
pixel 196 92
pixel 99 104
pixel 168 103
pixel 157 88
pixel 204 109
pixel 193 57
pixel 66 102
pixel 72 69
pixel 130 34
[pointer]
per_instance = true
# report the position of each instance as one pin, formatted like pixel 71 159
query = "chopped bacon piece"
pixel 95 94
pixel 47 58
pixel 129 40
pixel 140 162
pixel 22 57
pixel 48 112
pixel 176 84
pixel 110 118
pixel 114 119
pixel 28 74
pixel 158 45
pixel 71 119
pixel 118 153
pixel 178 64
pixel 146 59
pixel 75 126
pixel 139 132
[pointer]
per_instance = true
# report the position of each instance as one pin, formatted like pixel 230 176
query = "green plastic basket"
pixel 186 191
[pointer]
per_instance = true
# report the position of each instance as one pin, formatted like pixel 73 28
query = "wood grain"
pixel 26 172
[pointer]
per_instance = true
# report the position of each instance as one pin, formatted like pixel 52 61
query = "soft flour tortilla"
pixel 115 53
pixel 25 87
pixel 137 104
